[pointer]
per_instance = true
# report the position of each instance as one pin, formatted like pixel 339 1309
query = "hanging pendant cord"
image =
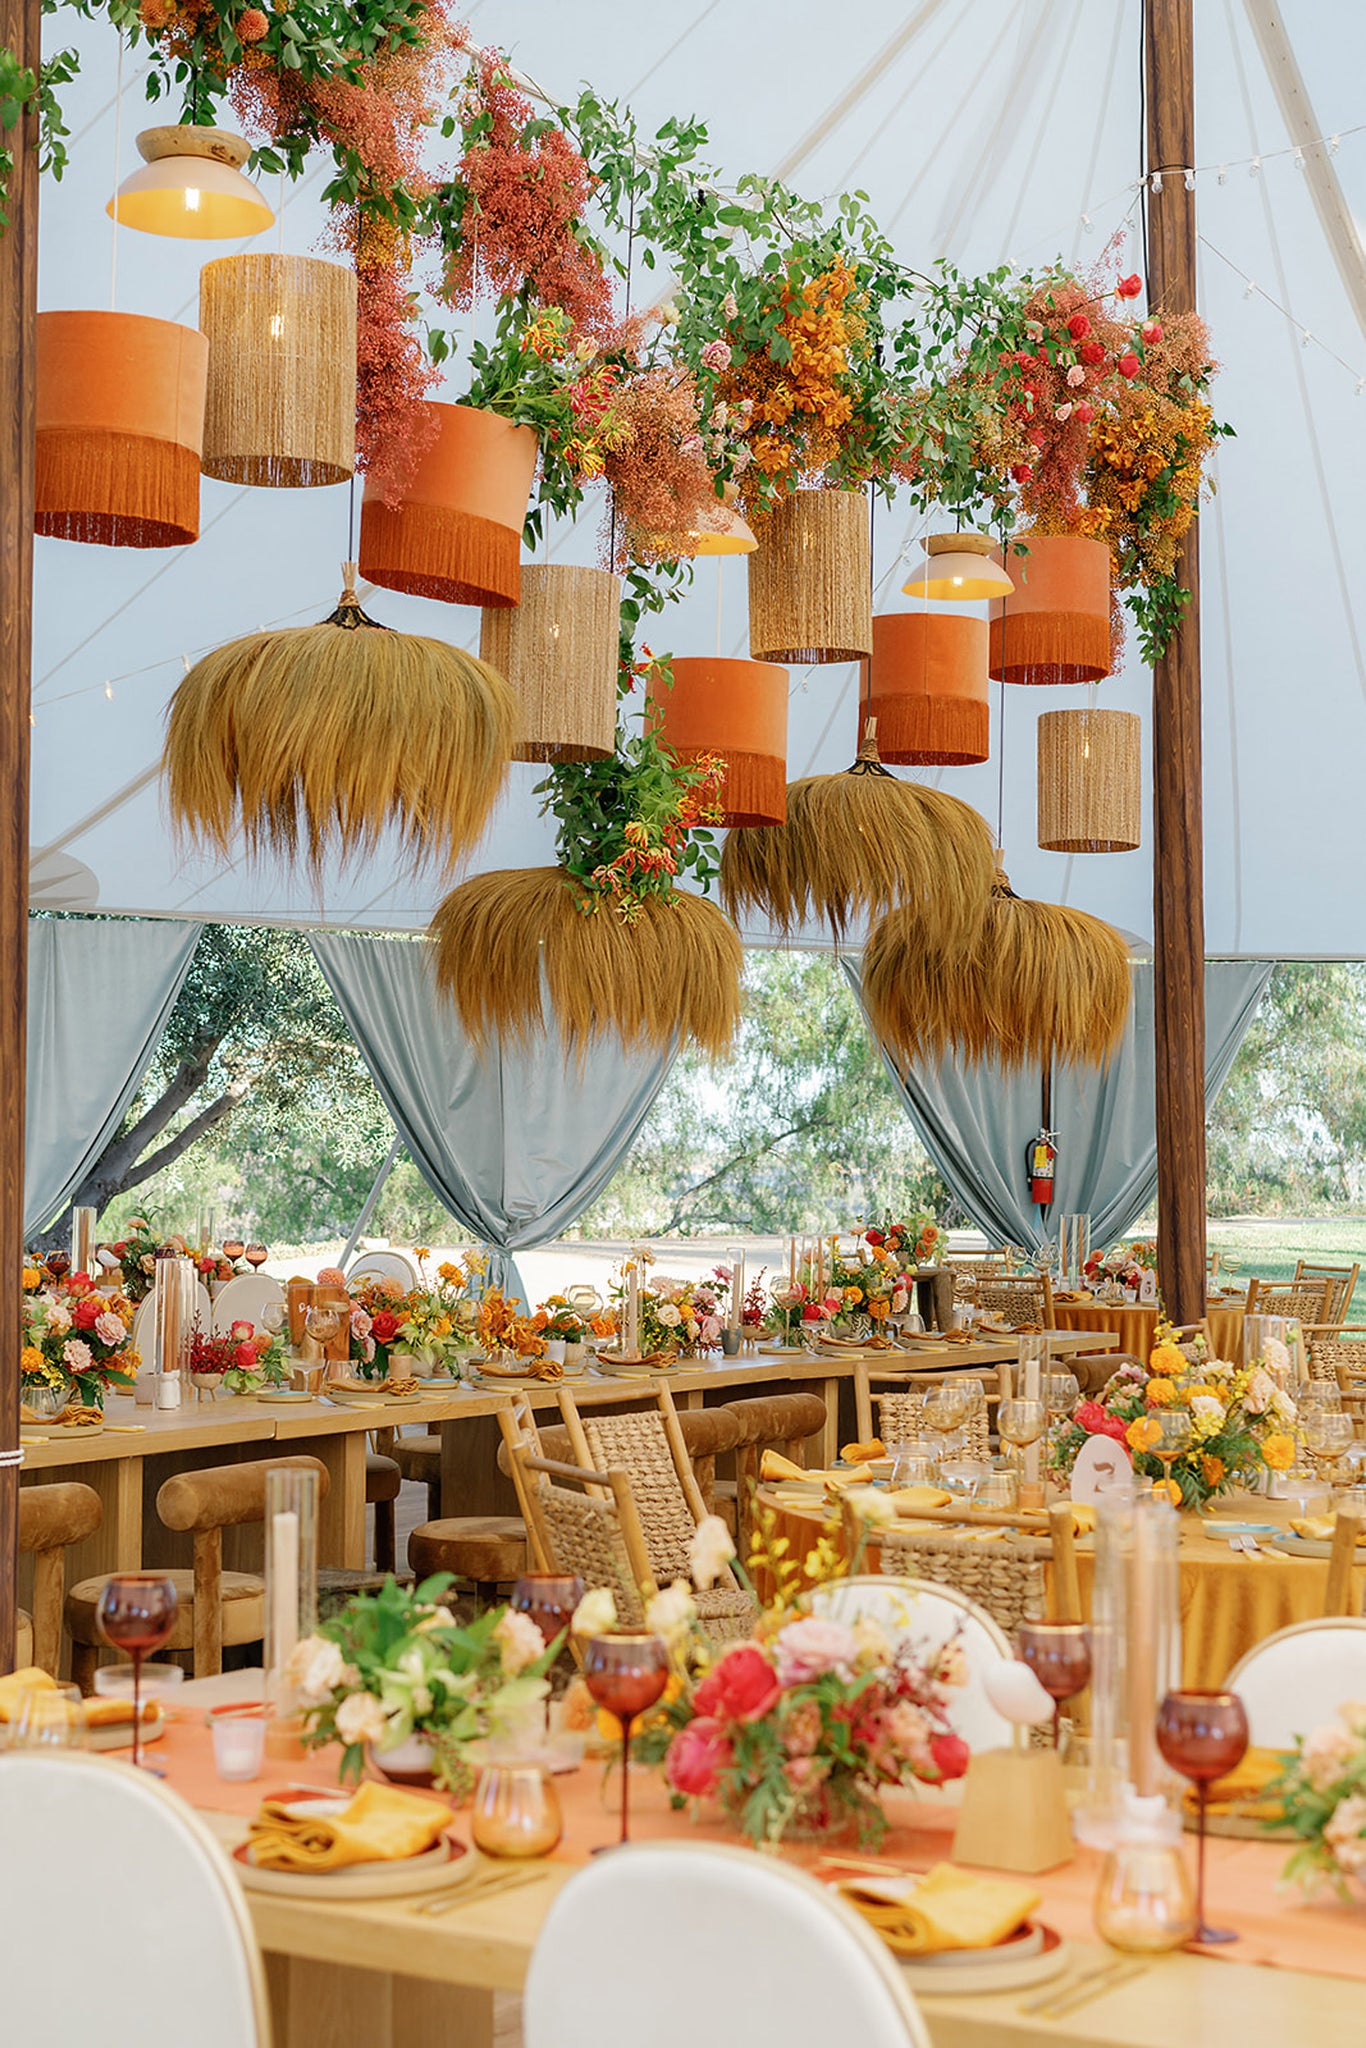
pixel 114 216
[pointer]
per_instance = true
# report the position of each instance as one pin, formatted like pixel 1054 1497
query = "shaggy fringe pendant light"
pixel 1090 781
pixel 559 652
pixel 810 580
pixel 1042 984
pixel 282 370
pixel 738 711
pixel 927 688
pixel 120 415
pixel 314 740
pixel 857 843
pixel 1055 625
pixel 509 943
pixel 457 534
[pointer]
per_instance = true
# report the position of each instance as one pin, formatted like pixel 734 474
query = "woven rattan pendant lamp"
pixel 1055 625
pixel 509 945
pixel 1090 781
pixel 558 651
pixel 810 581
pixel 927 688
pixel 120 415
pixel 314 741
pixel 737 710
pixel 282 370
pixel 457 533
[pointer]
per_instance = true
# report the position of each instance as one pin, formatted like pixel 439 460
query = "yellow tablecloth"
pixel 1136 1327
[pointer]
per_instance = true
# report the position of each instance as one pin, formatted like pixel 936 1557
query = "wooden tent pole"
pixel 21 32
pixel 1178 840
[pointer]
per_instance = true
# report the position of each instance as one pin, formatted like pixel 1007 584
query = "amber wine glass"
pixel 136 1613
pixel 256 1256
pixel 1204 1736
pixel 1059 1655
pixel 626 1671
pixel 549 1599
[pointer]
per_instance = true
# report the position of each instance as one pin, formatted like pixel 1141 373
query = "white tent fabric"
pixel 99 995
pixel 983 131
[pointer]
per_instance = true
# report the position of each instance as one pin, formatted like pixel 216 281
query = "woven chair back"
pixel 1006 1577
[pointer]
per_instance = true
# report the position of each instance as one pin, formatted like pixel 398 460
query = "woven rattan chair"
pixel 900 1420
pixel 1019 1300
pixel 1005 1577
pixel 581 1521
pixel 1304 1301
pixel 1337 1353
pixel 649 1447
pixel 1342 1282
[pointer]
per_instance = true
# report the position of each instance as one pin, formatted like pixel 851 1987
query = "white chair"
pixel 384 1266
pixel 144 1319
pixel 926 1616
pixel 1292 1682
pixel 242 1299
pixel 666 1941
pixel 166 1928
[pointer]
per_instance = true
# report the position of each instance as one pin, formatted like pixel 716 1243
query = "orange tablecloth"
pixel 1242 1877
pixel 1135 1327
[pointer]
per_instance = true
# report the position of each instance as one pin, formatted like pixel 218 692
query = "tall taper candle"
pixel 632 1344
pixel 737 1287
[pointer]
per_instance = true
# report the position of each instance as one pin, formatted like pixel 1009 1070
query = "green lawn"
pixel 1270 1246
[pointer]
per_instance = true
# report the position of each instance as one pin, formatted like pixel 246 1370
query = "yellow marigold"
pixel 30 1279
pixel 1160 1393
pixel 1143 1433
pixel 1278 1451
pixel 1213 1470
pixel 30 1360
pixel 1171 1490
pixel 1167 1359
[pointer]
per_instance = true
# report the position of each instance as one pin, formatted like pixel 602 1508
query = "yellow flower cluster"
pixel 801 405
pixel 1143 478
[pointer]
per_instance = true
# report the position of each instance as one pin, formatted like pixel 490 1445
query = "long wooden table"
pixel 379 1975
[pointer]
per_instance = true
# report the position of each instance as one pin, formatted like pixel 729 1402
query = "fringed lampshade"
pixel 510 943
pixel 120 408
pixel 457 534
pixel 282 370
pixel 810 580
pixel 1041 984
pixel 1055 625
pixel 737 710
pixel 558 650
pixel 927 688
pixel 1090 781
pixel 314 740
pixel 857 843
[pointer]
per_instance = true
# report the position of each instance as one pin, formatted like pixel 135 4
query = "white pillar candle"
pixel 284 1586
pixel 737 1288
pixel 632 1343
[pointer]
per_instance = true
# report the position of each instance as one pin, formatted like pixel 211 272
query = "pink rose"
pixel 696 1758
pixel 741 1686
pixel 242 1331
pixel 77 1357
pixel 244 1357
pixel 716 355
pixel 1076 376
pixel 806 1649
pixel 360 1323
pixel 109 1328
pixel 1062 413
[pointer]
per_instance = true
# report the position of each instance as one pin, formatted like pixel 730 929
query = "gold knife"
pixel 1057 1991
pixel 480 1888
pixel 1098 1987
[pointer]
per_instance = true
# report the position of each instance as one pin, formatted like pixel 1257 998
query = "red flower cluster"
pixel 1098 1421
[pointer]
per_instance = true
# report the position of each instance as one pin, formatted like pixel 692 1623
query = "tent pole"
pixel 1178 842
pixel 21 32
pixel 368 1205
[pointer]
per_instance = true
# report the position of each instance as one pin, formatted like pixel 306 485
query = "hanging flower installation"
pixel 311 740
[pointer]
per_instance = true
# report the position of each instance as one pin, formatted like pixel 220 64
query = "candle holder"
pixel 1136 1657
pixel 291 1595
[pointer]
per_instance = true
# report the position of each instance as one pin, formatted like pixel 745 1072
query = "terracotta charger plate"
pixel 1031 1956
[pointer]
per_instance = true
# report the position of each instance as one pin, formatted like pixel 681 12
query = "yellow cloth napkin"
pixel 1083 1518
pixel 773 1465
pixel 913 1500
pixel 947 1908
pixel 859 1454
pixel 1320 1528
pixel 381 1825
pixel 31 1678
pixel 1245 1786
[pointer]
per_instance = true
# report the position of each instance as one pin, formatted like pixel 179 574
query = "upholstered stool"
pixel 51 1517
pixel 419 1458
pixel 768 1421
pixel 488 1550
pixel 1094 1370
pixel 217 1609
pixel 383 1483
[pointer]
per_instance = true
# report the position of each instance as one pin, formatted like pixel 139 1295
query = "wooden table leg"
pixel 827 1443
pixel 326 2005
pixel 341 1519
pixel 471 1483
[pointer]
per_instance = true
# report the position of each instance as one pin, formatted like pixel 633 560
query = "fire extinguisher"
pixel 1043 1167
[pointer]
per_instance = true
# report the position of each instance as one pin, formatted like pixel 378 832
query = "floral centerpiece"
pixel 503 1329
pixel 918 1242
pixel 564 1323
pixel 244 1360
pixel 1321 1796
pixel 1242 1421
pixel 397 1665
pixel 681 1315
pixel 136 1253
pixel 73 1337
pixel 1123 1263
pixel 798 1729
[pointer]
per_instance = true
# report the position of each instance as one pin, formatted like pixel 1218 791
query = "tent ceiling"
pixel 983 130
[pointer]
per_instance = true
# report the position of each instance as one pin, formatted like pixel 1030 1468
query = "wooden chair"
pixel 383 1484
pixel 779 1422
pixel 1338 1353
pixel 166 1910
pixel 1007 1576
pixel 1305 1301
pixel 1020 1300
pixel 418 1457
pixel 217 1609
pixel 899 1412
pixel 649 1447
pixel 51 1517
pixel 581 1521
pixel 1342 1282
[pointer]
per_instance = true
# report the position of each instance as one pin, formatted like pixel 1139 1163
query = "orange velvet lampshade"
pixel 457 535
pixel 927 688
pixel 1055 625
pixel 737 710
pixel 120 406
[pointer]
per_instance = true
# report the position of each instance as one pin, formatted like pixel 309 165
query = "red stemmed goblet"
pixel 137 1613
pixel 1204 1736
pixel 549 1599
pixel 1059 1655
pixel 626 1671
